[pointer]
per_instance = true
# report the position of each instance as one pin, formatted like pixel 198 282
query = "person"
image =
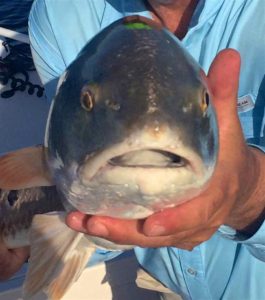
pixel 213 246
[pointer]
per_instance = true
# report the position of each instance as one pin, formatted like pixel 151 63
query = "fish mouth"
pixel 134 182
pixel 148 158
pixel 123 163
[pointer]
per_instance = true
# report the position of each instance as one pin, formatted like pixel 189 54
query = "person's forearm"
pixel 248 215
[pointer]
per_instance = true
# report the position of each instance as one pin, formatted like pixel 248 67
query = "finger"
pixel 223 76
pixel 19 257
pixel 192 215
pixel 12 260
pixel 122 232
pixel 77 221
pixel 134 232
pixel 223 80
pixel 130 232
pixel 20 254
pixel 119 231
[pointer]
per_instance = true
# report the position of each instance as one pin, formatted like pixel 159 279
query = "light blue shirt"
pixel 227 266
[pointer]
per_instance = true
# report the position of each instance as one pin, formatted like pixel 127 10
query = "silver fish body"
pixel 132 129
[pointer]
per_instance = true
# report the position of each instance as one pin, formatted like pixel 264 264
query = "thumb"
pixel 223 82
pixel 223 77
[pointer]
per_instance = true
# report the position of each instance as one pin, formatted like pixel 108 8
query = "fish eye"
pixel 87 99
pixel 113 104
pixel 205 101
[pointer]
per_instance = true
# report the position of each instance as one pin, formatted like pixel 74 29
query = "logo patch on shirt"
pixel 245 103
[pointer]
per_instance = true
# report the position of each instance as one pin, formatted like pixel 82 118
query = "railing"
pixel 14 35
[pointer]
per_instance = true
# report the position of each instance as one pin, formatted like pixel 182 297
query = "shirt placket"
pixel 193 273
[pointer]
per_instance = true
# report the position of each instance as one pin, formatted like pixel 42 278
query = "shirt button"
pixel 192 271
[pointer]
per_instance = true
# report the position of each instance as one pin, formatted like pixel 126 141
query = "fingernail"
pixel 97 228
pixel 156 230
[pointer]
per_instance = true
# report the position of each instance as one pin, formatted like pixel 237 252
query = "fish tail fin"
pixel 58 256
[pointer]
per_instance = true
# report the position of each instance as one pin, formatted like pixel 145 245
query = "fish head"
pixel 132 129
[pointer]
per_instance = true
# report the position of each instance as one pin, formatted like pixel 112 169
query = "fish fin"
pixel 58 256
pixel 24 168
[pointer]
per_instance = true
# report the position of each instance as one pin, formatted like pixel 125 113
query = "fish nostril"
pixel 113 105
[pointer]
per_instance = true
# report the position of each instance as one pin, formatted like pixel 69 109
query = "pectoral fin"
pixel 24 168
pixel 58 256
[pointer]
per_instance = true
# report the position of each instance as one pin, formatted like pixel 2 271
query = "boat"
pixel 23 114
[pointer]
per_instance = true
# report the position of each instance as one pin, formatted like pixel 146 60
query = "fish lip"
pixel 95 163
pixel 171 159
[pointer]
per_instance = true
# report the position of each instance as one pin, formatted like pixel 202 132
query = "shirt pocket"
pixel 251 110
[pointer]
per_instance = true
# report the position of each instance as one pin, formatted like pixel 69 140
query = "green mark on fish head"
pixel 138 25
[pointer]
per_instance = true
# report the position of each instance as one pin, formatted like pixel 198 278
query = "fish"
pixel 131 131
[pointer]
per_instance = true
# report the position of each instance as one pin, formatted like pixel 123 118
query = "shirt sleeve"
pixel 46 55
pixel 255 243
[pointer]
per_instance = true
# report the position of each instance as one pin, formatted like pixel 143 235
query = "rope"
pixel 14 70
pixel 14 35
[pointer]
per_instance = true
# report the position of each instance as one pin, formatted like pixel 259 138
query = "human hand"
pixel 11 260
pixel 231 194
